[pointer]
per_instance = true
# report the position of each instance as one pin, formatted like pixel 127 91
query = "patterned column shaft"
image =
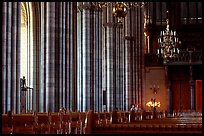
pixel 13 53
pixel 97 60
pixel 41 92
pixel 142 66
pixel 136 54
pixel 10 56
pixel 68 92
pixel 59 51
pixel 62 95
pixel 79 59
pixel 18 58
pixel 104 60
pixel 4 58
pixel 50 57
pixel 35 78
pixel 110 61
pixel 138 51
pixel 118 49
pixel 100 65
pixel 127 73
pixel 86 51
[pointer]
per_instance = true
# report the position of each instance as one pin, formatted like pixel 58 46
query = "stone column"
pixel 127 64
pixel 110 62
pixel 79 58
pixel 40 93
pixel 50 57
pixel 86 60
pixel 11 57
pixel 97 100
pixel 118 66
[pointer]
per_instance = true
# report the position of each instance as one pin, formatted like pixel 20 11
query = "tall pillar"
pixel 86 49
pixel 79 58
pixel 3 57
pixel 118 66
pixel 110 62
pixel 50 57
pixel 96 38
pixel 11 57
pixel 40 93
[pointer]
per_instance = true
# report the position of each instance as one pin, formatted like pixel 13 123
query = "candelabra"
pixel 153 104
pixel 120 9
pixel 168 44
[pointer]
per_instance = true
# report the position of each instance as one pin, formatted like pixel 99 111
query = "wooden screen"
pixel 181 95
pixel 198 86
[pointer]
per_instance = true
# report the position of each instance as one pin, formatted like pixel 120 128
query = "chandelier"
pixel 168 44
pixel 120 9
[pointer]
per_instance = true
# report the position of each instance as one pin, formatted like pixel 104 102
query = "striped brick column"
pixel 110 60
pixel 118 60
pixel 97 100
pixel 57 56
pixel 128 95
pixel 40 93
pixel 11 57
pixel 79 58
pixel 85 51
pixel 134 56
pixel 139 53
pixel 50 57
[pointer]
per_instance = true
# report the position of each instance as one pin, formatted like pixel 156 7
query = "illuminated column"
pixel 118 66
pixel 50 58
pixel 11 57
pixel 127 64
pixel 96 38
pixel 110 71
pixel 79 59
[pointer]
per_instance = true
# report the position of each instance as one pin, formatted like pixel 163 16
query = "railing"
pixel 184 58
pixel 187 58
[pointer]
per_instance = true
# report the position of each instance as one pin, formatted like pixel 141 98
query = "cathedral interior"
pixel 101 57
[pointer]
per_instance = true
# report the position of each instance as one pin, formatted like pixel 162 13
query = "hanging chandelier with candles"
pixel 120 9
pixel 168 44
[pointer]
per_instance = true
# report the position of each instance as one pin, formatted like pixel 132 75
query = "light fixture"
pixel 154 88
pixel 153 104
pixel 120 9
pixel 168 44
